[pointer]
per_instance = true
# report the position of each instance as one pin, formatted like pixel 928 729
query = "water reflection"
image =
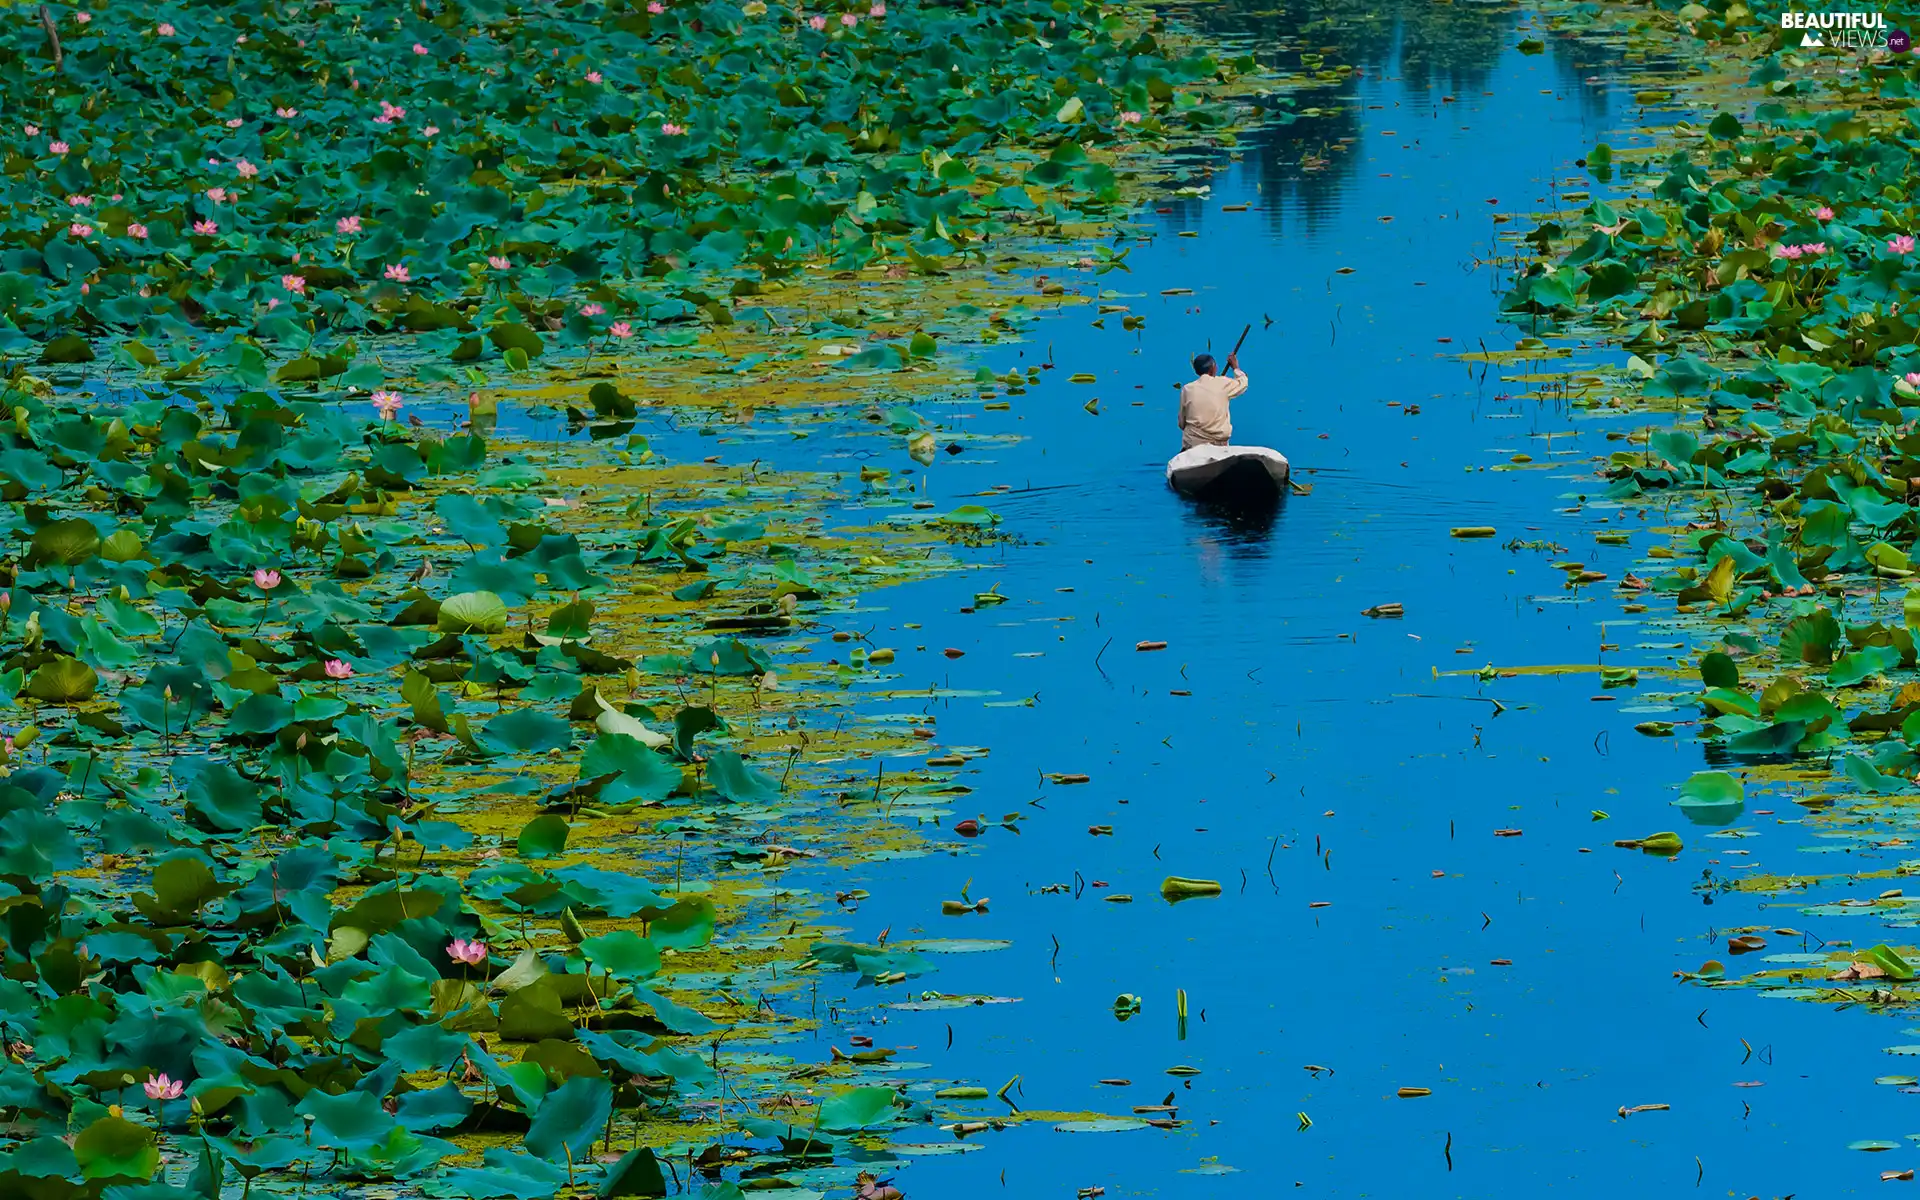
pixel 1435 55
pixel 1244 532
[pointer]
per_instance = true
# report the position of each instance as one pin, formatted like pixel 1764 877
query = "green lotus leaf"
pixel 62 681
pixel 1715 797
pixel 688 925
pixel 472 612
pixel 116 1148
pixel 543 837
pixel 857 1108
pixel 623 953
pixel 67 543
pixel 733 778
pixel 638 1173
pixel 349 1121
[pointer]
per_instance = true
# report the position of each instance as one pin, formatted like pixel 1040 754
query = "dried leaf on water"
pixel 1179 887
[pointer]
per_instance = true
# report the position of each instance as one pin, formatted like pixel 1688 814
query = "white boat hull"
pixel 1229 474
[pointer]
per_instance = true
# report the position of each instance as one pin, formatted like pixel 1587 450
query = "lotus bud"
pixel 300 743
pixel 788 603
pixel 6 602
pixel 168 693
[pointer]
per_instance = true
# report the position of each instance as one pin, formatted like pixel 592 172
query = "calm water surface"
pixel 1304 754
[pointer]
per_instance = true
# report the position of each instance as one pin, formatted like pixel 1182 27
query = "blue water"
pixel 1318 757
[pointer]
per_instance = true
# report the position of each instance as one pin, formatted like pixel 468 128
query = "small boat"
pixel 1235 476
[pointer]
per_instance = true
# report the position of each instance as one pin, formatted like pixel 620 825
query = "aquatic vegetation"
pixel 358 756
pixel 1759 269
pixel 273 901
pixel 497 184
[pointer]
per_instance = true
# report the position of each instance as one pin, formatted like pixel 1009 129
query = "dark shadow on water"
pixel 1241 533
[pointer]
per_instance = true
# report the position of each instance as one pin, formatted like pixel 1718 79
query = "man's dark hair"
pixel 1203 364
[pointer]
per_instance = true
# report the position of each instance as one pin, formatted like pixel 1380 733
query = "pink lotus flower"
pixel 297 284
pixel 419 49
pixel 429 131
pixel 235 123
pixel 398 273
pixel 1129 118
pixel 347 225
pixel 1782 250
pixel 849 20
pixel 246 169
pixel 672 130
pixel 499 262
pixel 58 147
pixel 1823 213
pixel 655 7
pixel 879 9
pixel 83 17
pixel 817 22
pixel 217 194
pixel 79 201
pixel 137 231
pixel 164 29
pixel 1902 244
pixel 266 580
pixel 621 330
pixel 160 1087
pixel 1813 247
pixel 206 228
pixel 594 77
pixel 1913 379
pixel 336 669
pixel 591 310
pixel 273 302
pixel 388 403
pixel 31 130
pixel 461 950
pixel 241 40
pixel 80 229
pixel 286 114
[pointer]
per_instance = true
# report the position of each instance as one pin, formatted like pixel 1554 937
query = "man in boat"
pixel 1206 418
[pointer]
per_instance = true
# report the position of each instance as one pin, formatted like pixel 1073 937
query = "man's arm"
pixel 1236 380
pixel 1181 420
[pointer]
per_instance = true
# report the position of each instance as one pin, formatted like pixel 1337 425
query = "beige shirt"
pixel 1205 419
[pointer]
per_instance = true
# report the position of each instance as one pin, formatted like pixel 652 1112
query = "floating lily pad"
pixel 956 945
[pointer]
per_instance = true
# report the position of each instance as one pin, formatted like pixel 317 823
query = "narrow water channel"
pixel 1377 930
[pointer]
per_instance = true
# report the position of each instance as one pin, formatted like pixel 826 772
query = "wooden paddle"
pixel 1243 341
